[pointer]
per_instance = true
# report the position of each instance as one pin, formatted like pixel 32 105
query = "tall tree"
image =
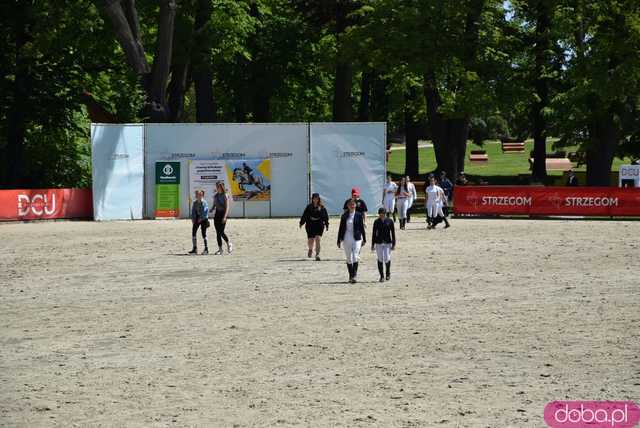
pixel 123 16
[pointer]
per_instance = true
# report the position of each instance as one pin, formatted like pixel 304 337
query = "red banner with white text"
pixel 36 204
pixel 523 200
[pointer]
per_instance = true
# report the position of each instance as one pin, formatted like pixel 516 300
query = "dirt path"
pixel 110 324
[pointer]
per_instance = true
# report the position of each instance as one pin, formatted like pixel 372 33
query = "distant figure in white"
pixel 403 196
pixel 435 201
pixel 412 198
pixel 389 197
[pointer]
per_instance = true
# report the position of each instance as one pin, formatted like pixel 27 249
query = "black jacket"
pixel 361 206
pixel 383 232
pixel 312 214
pixel 358 227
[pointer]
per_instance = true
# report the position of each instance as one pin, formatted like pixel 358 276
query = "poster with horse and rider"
pixel 244 179
pixel 250 179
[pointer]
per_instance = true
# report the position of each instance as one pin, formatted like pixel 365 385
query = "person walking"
pixel 361 206
pixel 447 187
pixel 315 220
pixel 199 219
pixel 221 205
pixel 351 236
pixel 389 197
pixel 435 200
pixel 383 240
pixel 412 198
pixel 403 196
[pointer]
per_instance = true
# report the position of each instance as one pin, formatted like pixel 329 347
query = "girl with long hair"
pixel 221 206
pixel 315 220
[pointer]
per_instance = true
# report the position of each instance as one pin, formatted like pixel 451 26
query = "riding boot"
pixel 381 270
pixel 388 271
pixel 350 268
pixel 355 271
pixel 446 222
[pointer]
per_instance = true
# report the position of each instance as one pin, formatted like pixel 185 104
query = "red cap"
pixel 355 191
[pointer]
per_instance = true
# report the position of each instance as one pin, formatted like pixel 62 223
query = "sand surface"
pixel 111 324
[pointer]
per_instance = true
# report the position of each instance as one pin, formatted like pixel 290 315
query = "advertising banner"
pixel 167 189
pixel 117 153
pixel 347 155
pixel 250 179
pixel 39 204
pixel 521 200
pixel 285 145
pixel 244 179
pixel 629 176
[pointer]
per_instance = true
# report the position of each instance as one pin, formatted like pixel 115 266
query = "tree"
pixel 601 100
pixel 123 16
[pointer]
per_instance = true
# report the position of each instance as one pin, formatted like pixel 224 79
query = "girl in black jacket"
pixel 351 234
pixel 315 220
pixel 383 240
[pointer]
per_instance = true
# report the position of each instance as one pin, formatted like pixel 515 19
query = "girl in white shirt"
pixel 435 201
pixel 389 196
pixel 403 196
pixel 412 198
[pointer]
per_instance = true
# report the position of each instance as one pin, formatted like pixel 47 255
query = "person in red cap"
pixel 361 206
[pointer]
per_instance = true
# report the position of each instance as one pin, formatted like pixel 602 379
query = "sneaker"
pixel 206 251
pixel 309 253
pixel 193 251
pixel 229 247
pixel 317 258
pixel 219 252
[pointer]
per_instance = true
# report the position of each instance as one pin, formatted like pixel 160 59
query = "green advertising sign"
pixel 167 189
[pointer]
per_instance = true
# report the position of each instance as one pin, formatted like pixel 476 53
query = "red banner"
pixel 35 204
pixel 523 200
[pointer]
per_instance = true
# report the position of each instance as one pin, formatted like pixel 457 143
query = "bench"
pixel 556 164
pixel 510 146
pixel 478 156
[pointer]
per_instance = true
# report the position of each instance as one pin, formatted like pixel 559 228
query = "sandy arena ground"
pixel 111 324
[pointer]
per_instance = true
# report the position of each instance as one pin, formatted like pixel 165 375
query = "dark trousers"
pixel 203 230
pixel 220 225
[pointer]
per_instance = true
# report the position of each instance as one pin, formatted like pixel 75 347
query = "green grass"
pixel 502 168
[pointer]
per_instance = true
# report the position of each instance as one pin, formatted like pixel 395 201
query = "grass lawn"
pixel 502 168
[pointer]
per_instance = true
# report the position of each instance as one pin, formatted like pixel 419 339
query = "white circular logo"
pixel 167 170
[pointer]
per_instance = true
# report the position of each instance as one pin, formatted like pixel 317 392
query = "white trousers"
pixel 434 209
pixel 403 206
pixel 351 249
pixel 383 251
pixel 389 203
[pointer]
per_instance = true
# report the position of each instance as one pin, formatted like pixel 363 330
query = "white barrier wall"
pixel 286 144
pixel 346 155
pixel 328 158
pixel 117 153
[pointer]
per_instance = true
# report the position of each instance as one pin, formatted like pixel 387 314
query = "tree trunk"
pixel 127 31
pixel 379 100
pixel 412 131
pixel 342 108
pixel 365 96
pixel 449 135
pixel 205 103
pixel 162 61
pixel 202 73
pixel 177 88
pixel 541 86
pixel 342 93
pixel 605 137
pixel 17 115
